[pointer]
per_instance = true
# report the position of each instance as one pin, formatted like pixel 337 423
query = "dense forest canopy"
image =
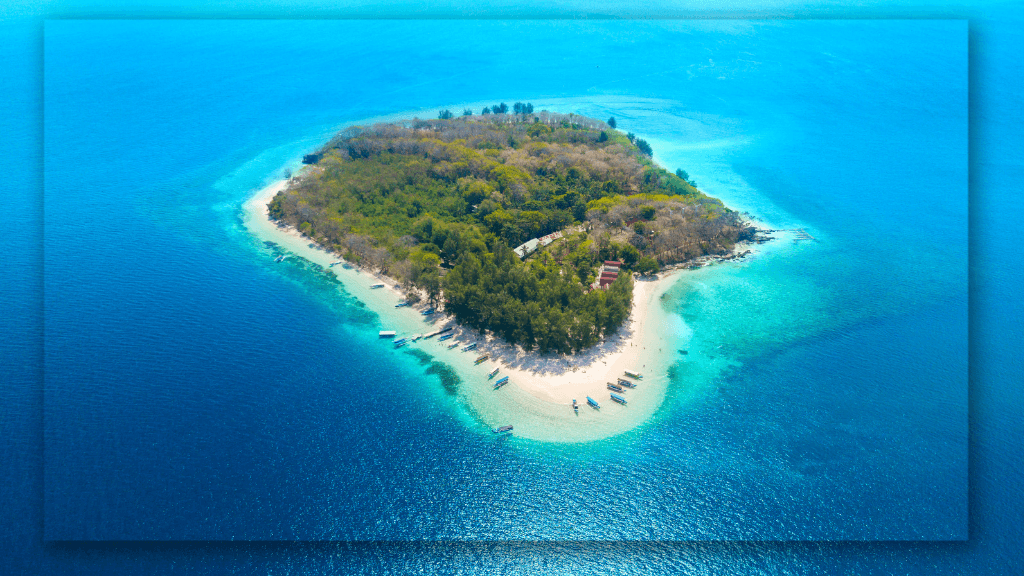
pixel 440 204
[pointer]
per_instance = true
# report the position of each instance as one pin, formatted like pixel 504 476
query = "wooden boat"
pixel 481 359
pixel 626 383
pixel 618 398
pixel 634 374
pixel 615 388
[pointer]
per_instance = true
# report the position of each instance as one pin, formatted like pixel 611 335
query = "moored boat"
pixel 445 337
pixel 469 347
pixel 500 429
pixel 400 341
pixel 377 285
pixel 492 373
pixel 618 398
pixel 401 304
pixel 386 333
pixel 593 402
pixel 501 382
pixel 428 311
pixel 634 374
pixel 614 387
pixel 481 359
pixel 453 345
pixel 575 406
pixel 626 383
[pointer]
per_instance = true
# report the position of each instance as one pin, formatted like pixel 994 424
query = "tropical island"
pixel 526 226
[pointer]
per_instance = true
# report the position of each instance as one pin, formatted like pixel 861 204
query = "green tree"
pixel 647 265
pixel 611 122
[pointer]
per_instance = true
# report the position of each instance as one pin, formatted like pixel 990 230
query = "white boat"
pixel 634 374
pixel 387 333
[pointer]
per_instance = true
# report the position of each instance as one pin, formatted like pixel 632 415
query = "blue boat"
pixel 618 398
pixel 399 345
pixel 428 312
pixel 593 402
pixel 469 347
pixel 445 337
pixel 506 428
pixel 401 304
pixel 400 340
pixel 626 383
pixel 493 372
pixel 615 388
pixel 501 382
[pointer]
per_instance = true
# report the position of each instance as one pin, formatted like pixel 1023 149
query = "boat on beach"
pixel 377 285
pixel 618 398
pixel 626 383
pixel 501 382
pixel 593 403
pixel 492 373
pixel 615 387
pixel 575 406
pixel 453 345
pixel 634 374
pixel 469 347
pixel 445 337
pixel 401 304
pixel 428 311
pixel 481 359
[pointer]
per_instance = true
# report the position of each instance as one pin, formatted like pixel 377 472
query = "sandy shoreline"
pixel 552 378
pixel 541 388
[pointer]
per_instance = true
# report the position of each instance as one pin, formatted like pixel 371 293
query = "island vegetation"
pixel 452 207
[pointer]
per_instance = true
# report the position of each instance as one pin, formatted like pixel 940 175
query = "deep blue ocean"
pixel 188 388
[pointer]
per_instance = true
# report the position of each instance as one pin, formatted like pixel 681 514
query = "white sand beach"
pixel 541 388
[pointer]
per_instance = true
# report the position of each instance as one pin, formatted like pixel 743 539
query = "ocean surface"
pixel 194 389
pixel 824 390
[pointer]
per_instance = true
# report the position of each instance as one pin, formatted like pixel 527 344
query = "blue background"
pixel 995 409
